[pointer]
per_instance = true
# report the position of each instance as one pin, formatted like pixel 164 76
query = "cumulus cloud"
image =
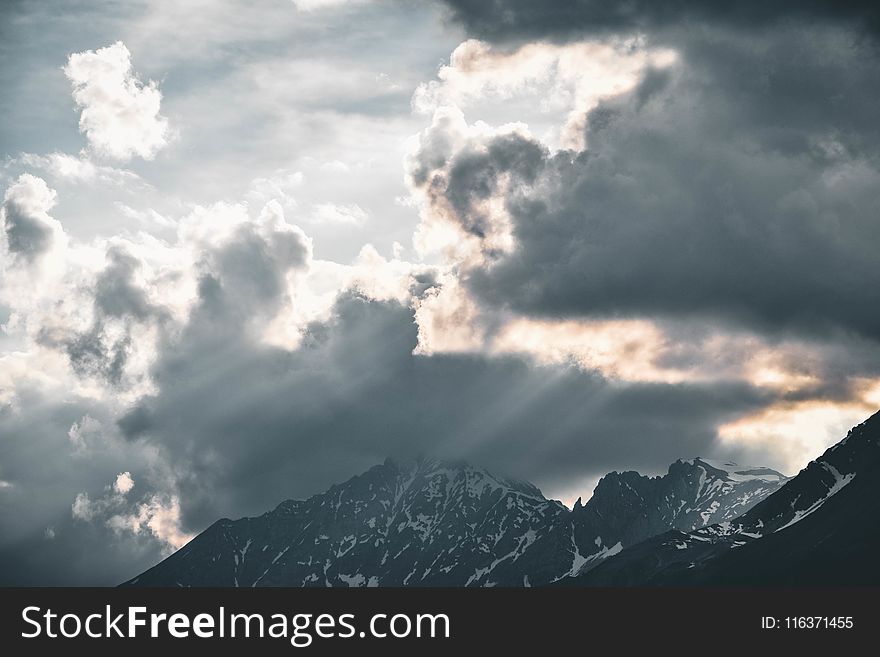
pixel 89 340
pixel 160 516
pixel 124 483
pixel 157 515
pixel 462 217
pixel 29 229
pixel 568 78
pixel 119 114
pixel 121 310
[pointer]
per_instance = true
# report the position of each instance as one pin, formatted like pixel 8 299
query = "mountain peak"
pixel 732 471
pixel 818 528
pixel 433 522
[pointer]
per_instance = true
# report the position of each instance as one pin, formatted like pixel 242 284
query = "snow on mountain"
pixel 436 523
pixel 820 527
pixel 627 507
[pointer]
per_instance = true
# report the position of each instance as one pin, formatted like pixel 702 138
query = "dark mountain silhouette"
pixel 434 523
pixel 821 528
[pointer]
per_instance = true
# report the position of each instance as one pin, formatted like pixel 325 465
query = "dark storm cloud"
pixel 524 19
pixel 135 422
pixel 74 554
pixel 40 542
pixel 741 184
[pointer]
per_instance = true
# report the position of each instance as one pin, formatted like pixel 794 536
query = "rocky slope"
pixel 820 528
pixel 433 523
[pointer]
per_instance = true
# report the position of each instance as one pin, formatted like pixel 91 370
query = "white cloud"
pixel 82 508
pixel 49 326
pixel 147 216
pixel 29 230
pixel 448 319
pixel 797 430
pixel 335 166
pixel 439 231
pixel 83 432
pixel 569 79
pixel 78 169
pixel 124 483
pixel 120 114
pixel 160 516
pixel 334 213
pixel 157 514
pixel 277 187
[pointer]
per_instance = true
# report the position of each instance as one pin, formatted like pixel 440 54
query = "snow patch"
pixel 841 481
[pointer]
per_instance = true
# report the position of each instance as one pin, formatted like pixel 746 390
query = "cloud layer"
pixel 765 185
pixel 504 19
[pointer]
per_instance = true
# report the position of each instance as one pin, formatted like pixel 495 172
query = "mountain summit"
pixel 820 528
pixel 438 523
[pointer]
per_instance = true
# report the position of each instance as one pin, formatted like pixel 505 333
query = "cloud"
pixel 82 507
pixel 634 257
pixel 30 231
pixel 160 517
pixel 563 19
pixel 54 478
pixel 119 114
pixel 157 515
pixel 315 5
pixel 78 169
pixel 568 78
pixel 121 309
pixel 704 192
pixel 333 213
pixel 371 377
pixel 124 483
pixel 278 187
pixel 84 432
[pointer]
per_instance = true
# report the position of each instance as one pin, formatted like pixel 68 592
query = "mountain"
pixel 627 507
pixel 821 528
pixel 436 523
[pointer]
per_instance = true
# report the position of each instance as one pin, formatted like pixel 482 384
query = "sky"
pixel 251 249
